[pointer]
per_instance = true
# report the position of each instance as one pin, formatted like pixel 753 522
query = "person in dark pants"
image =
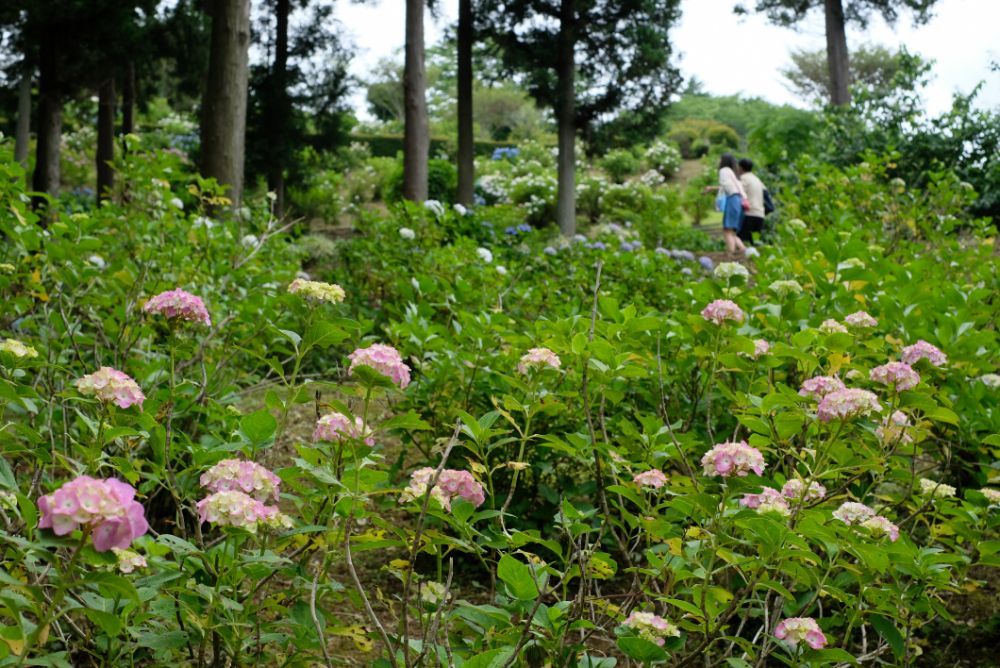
pixel 753 217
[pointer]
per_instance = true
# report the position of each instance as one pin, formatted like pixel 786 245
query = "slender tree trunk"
pixel 416 134
pixel 128 99
pixel 22 135
pixel 280 109
pixel 836 53
pixel 566 119
pixel 466 152
pixel 224 106
pixel 105 138
pixel 47 177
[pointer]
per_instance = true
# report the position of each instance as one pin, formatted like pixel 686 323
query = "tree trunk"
pixel 22 135
pixel 105 138
pixel 47 177
pixel 566 119
pixel 224 107
pixel 836 53
pixel 128 99
pixel 416 134
pixel 280 111
pixel 466 152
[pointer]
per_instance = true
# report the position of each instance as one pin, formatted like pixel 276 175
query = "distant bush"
pixel 696 136
pixel 619 164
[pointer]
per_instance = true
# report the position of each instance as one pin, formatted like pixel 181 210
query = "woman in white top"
pixel 732 209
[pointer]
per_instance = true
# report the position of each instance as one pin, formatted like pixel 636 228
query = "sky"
pixel 963 38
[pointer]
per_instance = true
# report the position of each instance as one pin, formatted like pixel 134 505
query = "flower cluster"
pixel 769 500
pixel 733 458
pixel 760 347
pixel 323 292
pixel 451 483
pixel 851 512
pixel 881 526
pixel 236 509
pixel 178 305
pixel 795 630
pixel 726 270
pixel 923 350
pixel 17 349
pixel 111 386
pixel 651 627
pixel 653 478
pixel 785 288
pixel 407 233
pixel 820 386
pixel 831 326
pixel 898 375
pixel 992 495
pixel 384 359
pixel 128 560
pixel 937 490
pixel 721 310
pixel 336 426
pixel 861 320
pixel 106 507
pixel 990 380
pixel 538 358
pixel 485 254
pixel 894 429
pixel 237 475
pixel 844 404
pixel 796 489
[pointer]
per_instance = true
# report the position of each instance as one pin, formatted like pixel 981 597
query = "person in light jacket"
pixel 753 217
pixel 732 205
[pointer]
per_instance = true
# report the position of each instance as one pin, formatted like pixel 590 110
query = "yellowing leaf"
pixel 674 547
pixel 697 533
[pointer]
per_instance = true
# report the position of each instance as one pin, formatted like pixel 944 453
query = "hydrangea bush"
pixel 588 459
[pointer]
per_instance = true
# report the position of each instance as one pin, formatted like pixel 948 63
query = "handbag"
pixel 768 203
pixel 720 201
pixel 745 203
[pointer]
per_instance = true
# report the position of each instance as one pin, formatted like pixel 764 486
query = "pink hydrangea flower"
pixel 820 386
pixel 384 359
pixel 896 374
pixel 851 512
pixel 128 560
pixel 923 350
pixel 894 429
pixel 796 489
pixel 722 310
pixel 239 475
pixel 651 627
pixel 179 305
pixel 653 478
pixel 760 347
pixel 831 326
pixel 861 319
pixel 107 507
pixel 451 483
pixel 881 526
pixel 336 427
pixel 795 630
pixel 111 386
pixel 849 403
pixel 769 500
pixel 538 358
pixel 733 459
pixel 236 509
pixel 992 495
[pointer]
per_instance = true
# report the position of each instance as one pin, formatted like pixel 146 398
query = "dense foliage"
pixel 481 445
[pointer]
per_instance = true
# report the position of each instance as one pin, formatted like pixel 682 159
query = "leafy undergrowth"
pixel 459 442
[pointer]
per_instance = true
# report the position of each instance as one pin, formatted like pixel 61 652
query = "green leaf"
pixel 113 586
pixel 888 630
pixel 108 622
pixel 160 641
pixel 258 427
pixel 517 576
pixel 831 655
pixel 491 659
pixel 408 422
pixel 641 649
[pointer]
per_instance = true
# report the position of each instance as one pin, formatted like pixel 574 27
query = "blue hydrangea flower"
pixel 524 227
pixel 706 262
pixel 549 250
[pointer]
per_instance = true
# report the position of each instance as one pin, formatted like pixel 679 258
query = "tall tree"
pixel 224 106
pixel 837 14
pixel 416 132
pixel 23 132
pixel 586 59
pixel 105 138
pixel 466 152
pixel 809 76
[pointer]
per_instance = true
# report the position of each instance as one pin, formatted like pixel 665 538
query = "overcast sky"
pixel 963 38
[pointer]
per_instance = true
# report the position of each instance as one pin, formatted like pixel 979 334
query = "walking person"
pixel 732 210
pixel 753 217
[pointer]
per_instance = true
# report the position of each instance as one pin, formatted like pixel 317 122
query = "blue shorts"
pixel 732 215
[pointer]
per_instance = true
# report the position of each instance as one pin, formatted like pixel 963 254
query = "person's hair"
pixel 746 164
pixel 727 160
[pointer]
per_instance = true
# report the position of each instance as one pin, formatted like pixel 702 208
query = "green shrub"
pixel 619 164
